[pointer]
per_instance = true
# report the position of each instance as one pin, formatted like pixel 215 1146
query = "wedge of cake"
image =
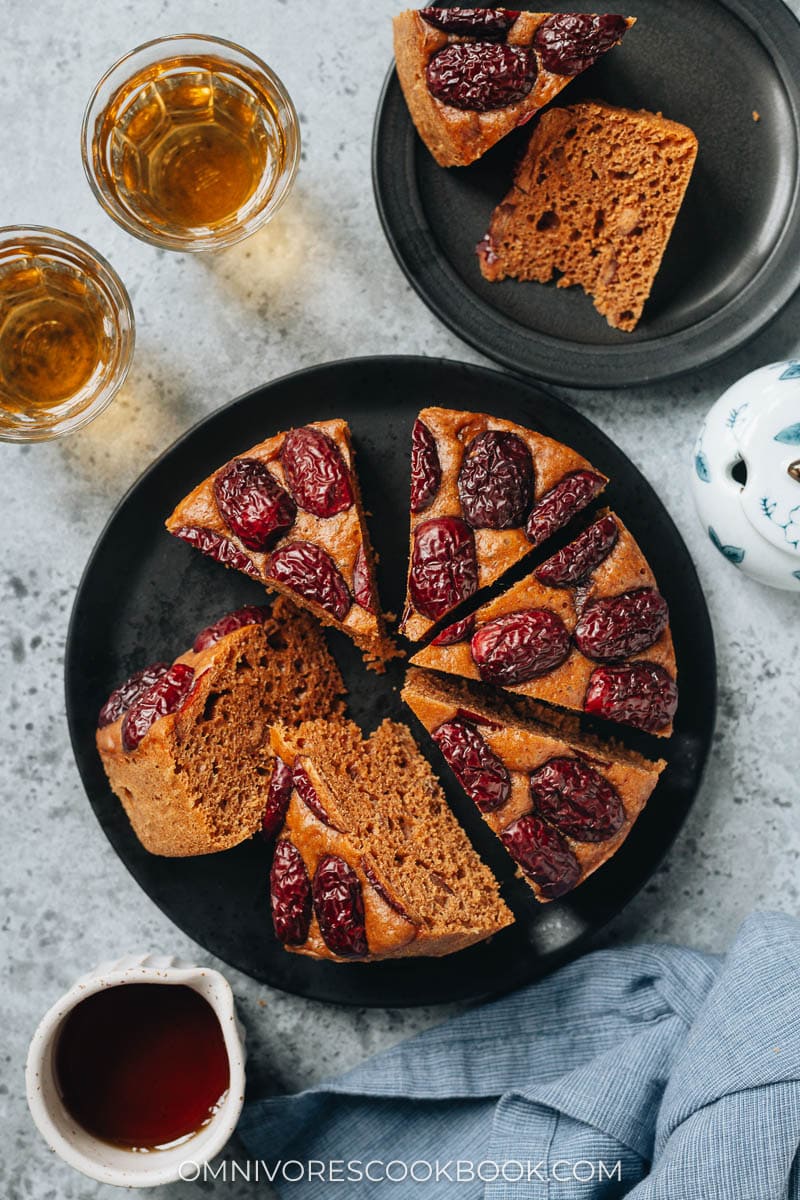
pixel 587 630
pixel 186 745
pixel 371 863
pixel 594 202
pixel 288 513
pixel 561 804
pixel 471 75
pixel 484 491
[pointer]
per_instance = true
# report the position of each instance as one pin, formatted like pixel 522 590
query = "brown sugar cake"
pixel 594 201
pixel 587 630
pixel 371 863
pixel 484 491
pixel 186 745
pixel 288 513
pixel 471 75
pixel 560 803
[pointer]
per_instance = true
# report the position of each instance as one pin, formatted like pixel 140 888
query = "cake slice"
pixel 594 202
pixel 484 491
pixel 186 745
pixel 561 804
pixel 288 513
pixel 587 630
pixel 372 863
pixel 471 75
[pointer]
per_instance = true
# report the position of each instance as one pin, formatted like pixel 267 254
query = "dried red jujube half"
pixel 426 470
pixel 483 776
pixel 308 793
pixel 520 646
pixel 577 799
pixel 253 504
pixel 616 627
pixel 375 883
pixel 290 894
pixel 543 855
pixel 251 614
pixel 278 796
pixel 564 500
pixel 495 482
pixel 570 42
pixel 311 572
pixel 316 473
pixel 166 695
pixel 339 905
pixel 576 561
pixel 642 694
pixel 459 631
pixel 479 76
pixel 124 696
pixel 362 588
pixel 220 548
pixel 471 22
pixel 444 566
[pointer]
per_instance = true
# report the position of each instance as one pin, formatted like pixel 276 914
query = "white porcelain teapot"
pixel 746 475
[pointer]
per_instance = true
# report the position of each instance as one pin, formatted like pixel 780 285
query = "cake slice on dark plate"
pixel 471 75
pixel 561 803
pixel 288 513
pixel 484 492
pixel 588 630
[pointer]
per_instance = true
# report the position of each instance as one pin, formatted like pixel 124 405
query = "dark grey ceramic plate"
pixel 734 257
pixel 144 595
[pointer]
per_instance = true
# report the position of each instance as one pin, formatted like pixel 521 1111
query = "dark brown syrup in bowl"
pixel 142 1065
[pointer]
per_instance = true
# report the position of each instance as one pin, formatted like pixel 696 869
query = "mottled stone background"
pixel 318 284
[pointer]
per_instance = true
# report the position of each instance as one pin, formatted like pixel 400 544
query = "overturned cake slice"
pixel 484 492
pixel 186 745
pixel 587 630
pixel 471 75
pixel 371 863
pixel 561 804
pixel 288 513
pixel 594 201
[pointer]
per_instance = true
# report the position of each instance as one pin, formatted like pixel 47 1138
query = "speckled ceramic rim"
pixel 113 1164
pixel 150 53
pixel 56 244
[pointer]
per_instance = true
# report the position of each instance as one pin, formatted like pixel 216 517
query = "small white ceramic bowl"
pixel 114 1164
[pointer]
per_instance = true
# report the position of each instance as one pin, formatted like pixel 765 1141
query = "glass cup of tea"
pixel 190 142
pixel 66 334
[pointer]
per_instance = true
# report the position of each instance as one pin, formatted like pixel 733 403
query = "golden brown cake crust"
pixel 624 569
pixel 166 783
pixel 594 201
pixel 523 745
pixel 342 536
pixel 456 137
pixel 497 549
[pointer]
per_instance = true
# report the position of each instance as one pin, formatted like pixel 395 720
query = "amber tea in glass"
pixel 66 334
pixel 190 142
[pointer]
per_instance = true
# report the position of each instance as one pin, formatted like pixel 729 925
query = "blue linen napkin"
pixel 652 1072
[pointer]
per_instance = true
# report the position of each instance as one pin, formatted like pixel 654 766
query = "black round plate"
pixel 144 595
pixel 734 258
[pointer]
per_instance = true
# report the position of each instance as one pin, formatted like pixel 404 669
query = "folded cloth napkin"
pixel 651 1072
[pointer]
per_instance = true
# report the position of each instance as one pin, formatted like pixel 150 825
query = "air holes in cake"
pixel 570 133
pixel 599 222
pixel 548 220
pixel 627 315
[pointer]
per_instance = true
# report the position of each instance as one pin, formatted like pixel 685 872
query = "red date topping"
pixel 577 560
pixel 495 483
pixel 290 895
pixel 459 631
pixel 466 714
pixel 124 696
pixel 308 793
pixel 615 628
pixel 316 473
pixel 426 470
pixel 641 694
pixel 278 797
pixel 375 883
pixel 339 905
pixel 571 42
pixel 578 800
pixel 362 589
pixel 220 548
pixel 308 570
pixel 471 22
pixel 253 504
pixel 163 697
pixel 251 614
pixel 561 503
pixel 444 566
pixel 483 776
pixel 543 855
pixel 479 76
pixel 520 646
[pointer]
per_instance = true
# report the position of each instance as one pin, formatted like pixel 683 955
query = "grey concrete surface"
pixel 318 284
